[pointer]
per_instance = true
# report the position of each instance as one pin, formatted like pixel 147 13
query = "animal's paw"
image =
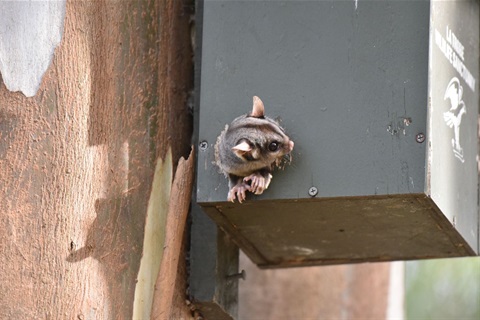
pixel 238 192
pixel 258 183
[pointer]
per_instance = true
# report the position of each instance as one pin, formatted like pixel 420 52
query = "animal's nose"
pixel 290 145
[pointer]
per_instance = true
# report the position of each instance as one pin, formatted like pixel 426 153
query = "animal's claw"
pixel 238 192
pixel 258 183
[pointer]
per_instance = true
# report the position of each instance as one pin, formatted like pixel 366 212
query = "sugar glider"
pixel 249 149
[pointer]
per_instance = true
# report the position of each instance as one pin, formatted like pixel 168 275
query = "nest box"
pixel 381 100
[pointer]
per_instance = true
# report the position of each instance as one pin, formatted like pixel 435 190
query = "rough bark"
pixel 77 159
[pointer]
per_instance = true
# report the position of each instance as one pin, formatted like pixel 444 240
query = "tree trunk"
pixel 77 162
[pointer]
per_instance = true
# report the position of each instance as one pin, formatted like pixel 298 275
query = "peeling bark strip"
pixel 174 229
pixel 154 237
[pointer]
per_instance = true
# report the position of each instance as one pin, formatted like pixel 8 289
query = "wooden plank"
pixel 288 233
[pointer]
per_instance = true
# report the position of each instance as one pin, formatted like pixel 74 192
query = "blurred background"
pixel 426 289
pixel 443 289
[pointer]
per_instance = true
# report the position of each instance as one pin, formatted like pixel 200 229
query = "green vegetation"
pixel 443 289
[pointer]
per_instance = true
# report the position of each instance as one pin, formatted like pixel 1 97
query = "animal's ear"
pixel 242 148
pixel 258 110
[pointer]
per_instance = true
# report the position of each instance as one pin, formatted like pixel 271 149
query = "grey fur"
pixel 255 164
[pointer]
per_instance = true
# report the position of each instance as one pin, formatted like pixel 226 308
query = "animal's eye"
pixel 273 146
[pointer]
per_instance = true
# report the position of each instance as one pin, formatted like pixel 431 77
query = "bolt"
pixel 313 191
pixel 203 145
pixel 241 275
pixel 420 137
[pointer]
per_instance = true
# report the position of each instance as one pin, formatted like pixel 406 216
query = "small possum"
pixel 248 150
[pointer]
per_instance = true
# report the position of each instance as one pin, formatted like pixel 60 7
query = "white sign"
pixel 453 50
pixel 453 117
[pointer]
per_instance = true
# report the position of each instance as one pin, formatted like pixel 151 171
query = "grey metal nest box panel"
pixel 349 85
pixel 349 81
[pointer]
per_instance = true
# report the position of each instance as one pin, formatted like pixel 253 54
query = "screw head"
pixel 203 145
pixel 420 137
pixel 313 191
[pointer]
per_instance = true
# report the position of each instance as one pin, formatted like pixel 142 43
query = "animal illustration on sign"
pixel 453 117
pixel 249 149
